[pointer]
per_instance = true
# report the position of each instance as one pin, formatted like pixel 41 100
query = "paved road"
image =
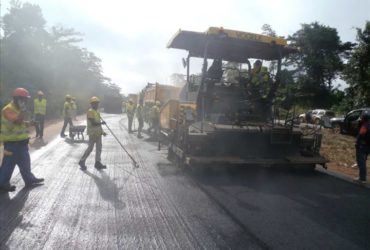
pixel 159 206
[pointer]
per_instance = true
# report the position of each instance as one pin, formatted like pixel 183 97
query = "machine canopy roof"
pixel 230 45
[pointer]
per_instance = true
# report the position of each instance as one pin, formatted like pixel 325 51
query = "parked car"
pixel 317 116
pixel 350 123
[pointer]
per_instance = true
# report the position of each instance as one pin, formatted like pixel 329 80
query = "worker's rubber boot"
pixel 82 165
pixel 99 165
pixel 35 182
pixel 7 188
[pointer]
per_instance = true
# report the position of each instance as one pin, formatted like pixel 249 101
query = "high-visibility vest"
pixel 67 108
pixel 130 109
pixel 260 77
pixel 74 106
pixel 260 82
pixel 10 131
pixel 39 106
pixel 155 111
pixel 139 112
pixel 93 130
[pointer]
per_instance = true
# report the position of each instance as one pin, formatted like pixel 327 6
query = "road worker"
pixel 363 147
pixel 215 70
pixel 67 114
pixel 74 108
pixel 259 81
pixel 95 132
pixel 15 137
pixel 155 110
pixel 123 107
pixel 140 119
pixel 130 110
pixel 39 110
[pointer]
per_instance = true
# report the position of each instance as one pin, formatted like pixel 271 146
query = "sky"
pixel 131 36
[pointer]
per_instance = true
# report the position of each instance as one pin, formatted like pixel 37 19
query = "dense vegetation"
pixel 49 59
pixel 322 59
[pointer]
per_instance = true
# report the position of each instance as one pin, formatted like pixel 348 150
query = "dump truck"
pixel 154 92
pixel 219 121
pixel 160 92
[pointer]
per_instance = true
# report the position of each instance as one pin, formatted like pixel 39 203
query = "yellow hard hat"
pixel 157 103
pixel 40 92
pixel 94 99
pixel 68 97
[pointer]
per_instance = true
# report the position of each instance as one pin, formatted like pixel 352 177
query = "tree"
pixel 319 61
pixel 268 31
pixel 49 60
pixel 357 69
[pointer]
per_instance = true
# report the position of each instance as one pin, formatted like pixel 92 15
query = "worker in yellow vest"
pixel 95 132
pixel 39 110
pixel 130 110
pixel 67 114
pixel 154 113
pixel 140 118
pixel 74 108
pixel 15 137
pixel 260 81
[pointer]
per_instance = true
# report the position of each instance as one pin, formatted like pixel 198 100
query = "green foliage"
pixel 49 60
pixel 357 70
pixel 318 63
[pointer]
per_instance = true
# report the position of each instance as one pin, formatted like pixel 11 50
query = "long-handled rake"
pixel 119 142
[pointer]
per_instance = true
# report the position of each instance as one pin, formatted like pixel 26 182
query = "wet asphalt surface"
pixel 161 206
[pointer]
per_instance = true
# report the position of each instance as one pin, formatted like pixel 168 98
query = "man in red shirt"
pixel 363 146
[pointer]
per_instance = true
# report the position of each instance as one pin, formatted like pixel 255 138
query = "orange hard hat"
pixel 21 92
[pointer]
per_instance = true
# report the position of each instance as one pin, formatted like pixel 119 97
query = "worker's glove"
pixel 103 123
pixel 104 134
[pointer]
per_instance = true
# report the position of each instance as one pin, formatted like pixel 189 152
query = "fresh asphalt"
pixel 162 206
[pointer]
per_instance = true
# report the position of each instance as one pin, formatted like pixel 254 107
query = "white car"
pixel 317 116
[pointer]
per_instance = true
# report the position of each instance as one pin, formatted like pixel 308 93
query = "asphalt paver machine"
pixel 220 119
